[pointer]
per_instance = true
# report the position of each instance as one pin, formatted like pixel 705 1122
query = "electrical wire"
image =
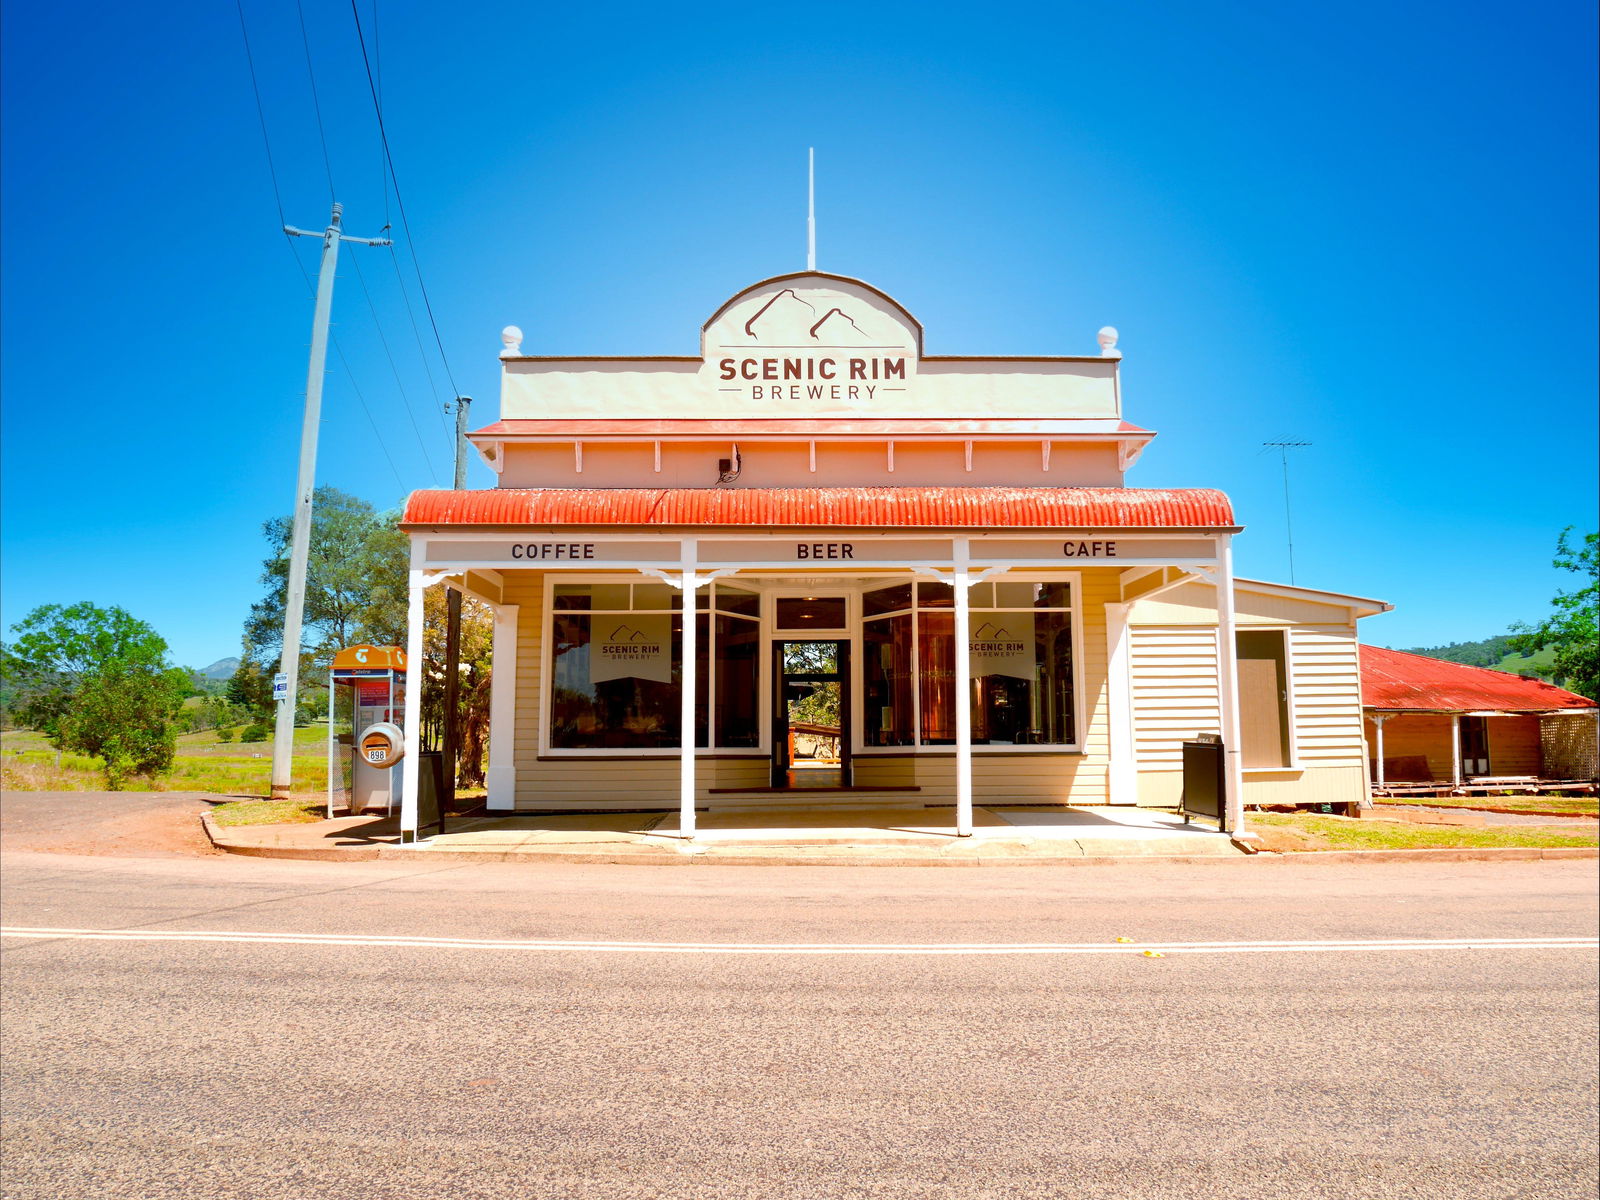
pixel 333 341
pixel 399 200
pixel 378 325
pixel 377 66
pixel 316 103
pixel 288 242
pixel 405 293
pixel 261 114
pixel 416 330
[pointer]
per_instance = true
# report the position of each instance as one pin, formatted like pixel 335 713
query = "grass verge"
pixel 1291 832
pixel 268 812
pixel 28 763
pixel 1567 806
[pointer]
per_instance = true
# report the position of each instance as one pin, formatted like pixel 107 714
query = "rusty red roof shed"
pixel 1397 681
pixel 843 507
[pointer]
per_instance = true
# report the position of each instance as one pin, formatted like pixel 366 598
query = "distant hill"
pixel 1494 653
pixel 223 668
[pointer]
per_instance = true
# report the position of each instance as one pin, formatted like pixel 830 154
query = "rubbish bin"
pixel 430 787
pixel 1205 789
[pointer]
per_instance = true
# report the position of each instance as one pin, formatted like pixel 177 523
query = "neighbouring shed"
pixel 1436 726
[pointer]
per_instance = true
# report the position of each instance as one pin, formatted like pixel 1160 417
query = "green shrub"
pixel 257 732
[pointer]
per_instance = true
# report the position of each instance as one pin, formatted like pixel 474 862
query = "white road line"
pixel 972 948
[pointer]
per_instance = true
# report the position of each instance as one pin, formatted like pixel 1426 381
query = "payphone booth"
pixel 366 696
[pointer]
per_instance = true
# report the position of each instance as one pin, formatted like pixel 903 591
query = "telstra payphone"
pixel 368 683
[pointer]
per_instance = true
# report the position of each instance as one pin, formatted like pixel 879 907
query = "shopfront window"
pixel 1020 659
pixel 616 679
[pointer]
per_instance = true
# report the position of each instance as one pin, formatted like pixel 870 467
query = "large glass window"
pixel 616 655
pixel 1019 658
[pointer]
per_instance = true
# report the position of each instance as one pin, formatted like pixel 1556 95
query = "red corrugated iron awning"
pixel 1393 680
pixel 842 507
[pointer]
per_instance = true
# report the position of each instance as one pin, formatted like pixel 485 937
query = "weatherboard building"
pixel 917 579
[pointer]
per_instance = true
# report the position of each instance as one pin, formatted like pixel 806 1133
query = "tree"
pixel 249 688
pixel 60 647
pixel 477 645
pixel 97 680
pixel 355 582
pixel 1572 628
pixel 123 712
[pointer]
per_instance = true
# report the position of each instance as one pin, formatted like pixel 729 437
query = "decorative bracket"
pixel 675 579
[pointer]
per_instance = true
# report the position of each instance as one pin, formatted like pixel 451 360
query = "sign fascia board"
pixel 811 549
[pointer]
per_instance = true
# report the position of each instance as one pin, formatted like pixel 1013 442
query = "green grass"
pixel 1569 806
pixel 1540 662
pixel 268 812
pixel 1304 831
pixel 28 763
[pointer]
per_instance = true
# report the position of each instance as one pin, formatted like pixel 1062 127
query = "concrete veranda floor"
pixel 769 834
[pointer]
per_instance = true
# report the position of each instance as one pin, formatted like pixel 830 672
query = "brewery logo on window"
pixel 1002 647
pixel 636 646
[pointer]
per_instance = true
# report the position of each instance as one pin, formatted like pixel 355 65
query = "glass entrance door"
pixel 811 714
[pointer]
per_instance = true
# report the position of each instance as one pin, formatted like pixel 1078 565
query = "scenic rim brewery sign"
pixel 813 562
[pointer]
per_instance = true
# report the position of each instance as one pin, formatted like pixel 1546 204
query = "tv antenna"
pixel 1283 449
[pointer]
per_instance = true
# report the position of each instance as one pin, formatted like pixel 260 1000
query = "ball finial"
pixel 512 337
pixel 1107 337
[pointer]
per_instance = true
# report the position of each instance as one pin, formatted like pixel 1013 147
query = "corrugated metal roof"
pixel 1396 680
pixel 845 507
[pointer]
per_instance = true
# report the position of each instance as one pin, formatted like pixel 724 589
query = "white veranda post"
pixel 1228 685
pixel 410 773
pixel 691 581
pixel 963 690
pixel 1122 778
pixel 1455 749
pixel 502 775
pixel 1377 737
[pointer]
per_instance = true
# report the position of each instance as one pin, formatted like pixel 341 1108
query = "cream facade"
pixel 936 556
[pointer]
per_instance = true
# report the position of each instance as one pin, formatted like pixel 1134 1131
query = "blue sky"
pixel 1369 227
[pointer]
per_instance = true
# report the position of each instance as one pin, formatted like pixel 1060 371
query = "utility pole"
pixel 1283 449
pixel 300 541
pixel 452 632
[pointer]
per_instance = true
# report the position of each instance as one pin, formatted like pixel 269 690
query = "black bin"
pixel 1205 788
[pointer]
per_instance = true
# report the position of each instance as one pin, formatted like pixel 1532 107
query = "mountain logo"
pixel 836 319
pixel 837 312
pixel 749 326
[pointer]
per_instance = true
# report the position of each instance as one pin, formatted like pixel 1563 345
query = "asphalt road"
pixel 278 1068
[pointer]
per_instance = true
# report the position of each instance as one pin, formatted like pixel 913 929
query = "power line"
pixel 277 195
pixel 399 199
pixel 288 242
pixel 377 433
pixel 377 66
pixel 261 115
pixel 316 103
pixel 416 330
pixel 378 325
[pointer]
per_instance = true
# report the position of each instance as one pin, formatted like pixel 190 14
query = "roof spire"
pixel 811 209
